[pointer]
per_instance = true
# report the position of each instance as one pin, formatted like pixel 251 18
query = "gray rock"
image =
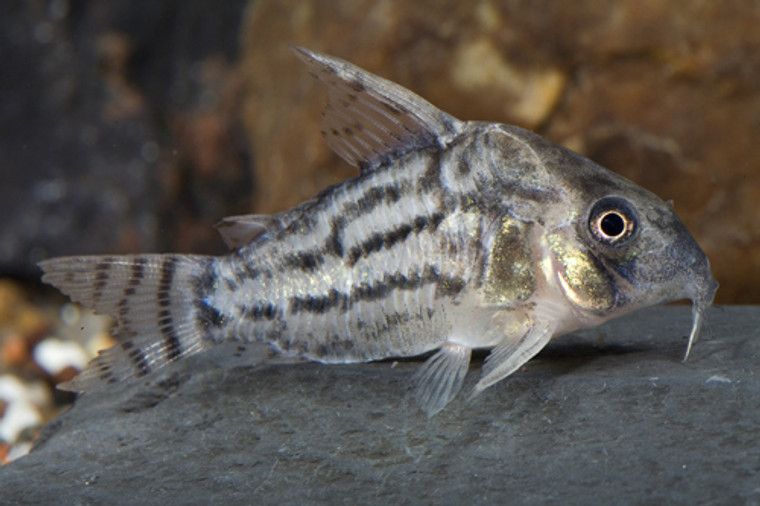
pixel 610 415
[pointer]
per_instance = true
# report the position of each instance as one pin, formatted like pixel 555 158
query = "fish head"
pixel 637 253
pixel 614 247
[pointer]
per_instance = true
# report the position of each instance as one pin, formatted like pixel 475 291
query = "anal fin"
pixel 441 377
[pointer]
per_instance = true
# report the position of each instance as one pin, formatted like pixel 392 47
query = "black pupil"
pixel 612 225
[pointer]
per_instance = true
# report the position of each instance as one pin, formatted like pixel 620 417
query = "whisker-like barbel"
pixel 700 305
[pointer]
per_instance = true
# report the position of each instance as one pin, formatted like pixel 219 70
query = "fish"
pixel 454 236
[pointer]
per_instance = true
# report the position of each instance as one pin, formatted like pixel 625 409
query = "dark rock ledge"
pixel 607 416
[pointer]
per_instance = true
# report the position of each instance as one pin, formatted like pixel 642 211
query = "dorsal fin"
pixel 370 120
pixel 237 231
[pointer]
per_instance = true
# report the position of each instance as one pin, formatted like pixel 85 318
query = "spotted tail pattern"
pixel 151 297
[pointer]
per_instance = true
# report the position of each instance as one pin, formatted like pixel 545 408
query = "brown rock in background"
pixel 128 127
pixel 663 92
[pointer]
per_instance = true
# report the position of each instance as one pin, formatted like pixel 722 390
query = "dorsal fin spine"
pixel 370 120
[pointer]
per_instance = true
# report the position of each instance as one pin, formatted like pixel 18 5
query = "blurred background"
pixel 135 125
pixel 132 126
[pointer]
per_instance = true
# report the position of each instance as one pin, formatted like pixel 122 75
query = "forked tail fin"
pixel 154 299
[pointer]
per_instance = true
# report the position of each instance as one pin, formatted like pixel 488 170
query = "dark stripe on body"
pixel 449 287
pixel 432 221
pixel 263 311
pixel 208 315
pixel 369 200
pixel 230 284
pixel 377 241
pixel 396 281
pixel 242 270
pixel 334 243
pixel 431 178
pixel 372 196
pixel 204 284
pixel 305 222
pixel 332 344
pixel 463 166
pixel 329 344
pixel 310 260
pixel 365 203
pixel 445 286
pixel 376 195
pixel 303 260
pixel 320 304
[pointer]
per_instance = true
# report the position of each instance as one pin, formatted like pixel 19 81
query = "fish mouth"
pixel 700 302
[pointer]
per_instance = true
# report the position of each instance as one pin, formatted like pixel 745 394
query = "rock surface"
pixel 607 416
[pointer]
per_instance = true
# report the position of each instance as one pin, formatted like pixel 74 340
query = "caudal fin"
pixel 152 297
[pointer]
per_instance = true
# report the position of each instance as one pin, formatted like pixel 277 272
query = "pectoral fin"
pixel 440 378
pixel 511 354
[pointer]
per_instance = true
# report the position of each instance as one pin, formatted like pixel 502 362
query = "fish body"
pixel 454 236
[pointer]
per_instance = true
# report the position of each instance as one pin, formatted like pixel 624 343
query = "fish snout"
pixel 701 290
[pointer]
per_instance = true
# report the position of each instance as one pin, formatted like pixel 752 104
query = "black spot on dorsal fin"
pixel 370 120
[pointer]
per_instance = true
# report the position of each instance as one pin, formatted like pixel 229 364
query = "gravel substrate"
pixel 44 340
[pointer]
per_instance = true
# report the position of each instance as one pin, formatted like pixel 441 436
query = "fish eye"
pixel 612 221
pixel 612 224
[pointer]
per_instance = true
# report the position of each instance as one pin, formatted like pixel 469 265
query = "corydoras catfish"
pixel 455 235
